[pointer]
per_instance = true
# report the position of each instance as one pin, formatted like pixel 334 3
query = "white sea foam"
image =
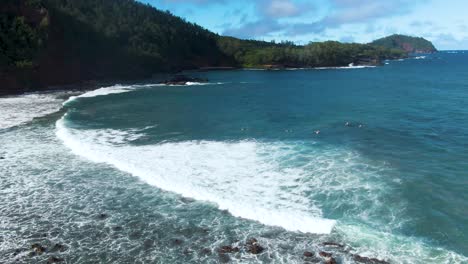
pixel 372 243
pixel 244 178
pixel 265 182
pixel 278 184
pixel 420 57
pixel 193 84
pixel 17 110
pixel 297 69
pixel 350 67
pixel 116 89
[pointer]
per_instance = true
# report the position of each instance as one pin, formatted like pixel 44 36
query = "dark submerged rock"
pixel 328 256
pixel 333 244
pixel 228 249
pixel 223 258
pixel 325 254
pixel 255 249
pixel 253 246
pixel 310 257
pixel 135 235
pixel 178 241
pixel 58 248
pixel 2 158
pixel 148 243
pixel 54 260
pixel 367 260
pixel 19 251
pixel 183 80
pixel 252 241
pixel 205 251
pixel 117 228
pixel 38 248
pixel 102 216
pixel 187 200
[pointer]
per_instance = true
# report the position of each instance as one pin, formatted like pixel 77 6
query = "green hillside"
pixel 250 53
pixel 406 43
pixel 55 42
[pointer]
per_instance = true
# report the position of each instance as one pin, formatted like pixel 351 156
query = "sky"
pixel 444 22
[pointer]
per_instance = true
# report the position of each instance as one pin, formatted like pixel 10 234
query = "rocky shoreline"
pixel 54 252
pixel 328 252
pixel 183 80
pixel 14 85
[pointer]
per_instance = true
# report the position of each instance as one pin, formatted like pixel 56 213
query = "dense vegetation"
pixel 406 43
pixel 251 53
pixel 56 42
pixel 21 36
pixel 144 32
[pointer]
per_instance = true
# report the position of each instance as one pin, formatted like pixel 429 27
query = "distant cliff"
pixel 406 43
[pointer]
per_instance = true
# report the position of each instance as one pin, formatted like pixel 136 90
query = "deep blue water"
pixel 374 159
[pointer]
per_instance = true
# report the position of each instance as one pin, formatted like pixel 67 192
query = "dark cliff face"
pixel 412 48
pixel 406 43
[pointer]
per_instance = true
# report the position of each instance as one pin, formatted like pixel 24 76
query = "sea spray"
pixel 232 175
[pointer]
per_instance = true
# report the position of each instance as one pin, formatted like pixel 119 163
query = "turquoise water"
pixel 371 158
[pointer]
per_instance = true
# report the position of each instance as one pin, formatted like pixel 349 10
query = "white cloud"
pixel 280 8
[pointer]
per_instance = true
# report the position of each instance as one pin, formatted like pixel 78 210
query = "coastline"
pixel 304 246
pixel 89 85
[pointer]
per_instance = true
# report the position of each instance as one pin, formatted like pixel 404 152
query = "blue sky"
pixel 444 22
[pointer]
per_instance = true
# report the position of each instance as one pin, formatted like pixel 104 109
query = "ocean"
pixel 359 162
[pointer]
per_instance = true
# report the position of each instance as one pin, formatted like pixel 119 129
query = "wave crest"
pixel 240 177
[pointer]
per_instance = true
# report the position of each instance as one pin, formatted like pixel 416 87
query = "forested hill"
pixel 406 43
pixel 47 43
pixel 55 42
pixel 251 53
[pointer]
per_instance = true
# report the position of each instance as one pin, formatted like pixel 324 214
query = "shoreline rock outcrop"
pixel 254 247
pixel 183 80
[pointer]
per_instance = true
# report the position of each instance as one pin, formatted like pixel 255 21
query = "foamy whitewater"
pixel 116 89
pixel 171 174
pixel 252 185
pixel 18 110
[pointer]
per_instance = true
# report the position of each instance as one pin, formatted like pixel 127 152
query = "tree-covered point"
pixel 406 43
pixel 251 53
